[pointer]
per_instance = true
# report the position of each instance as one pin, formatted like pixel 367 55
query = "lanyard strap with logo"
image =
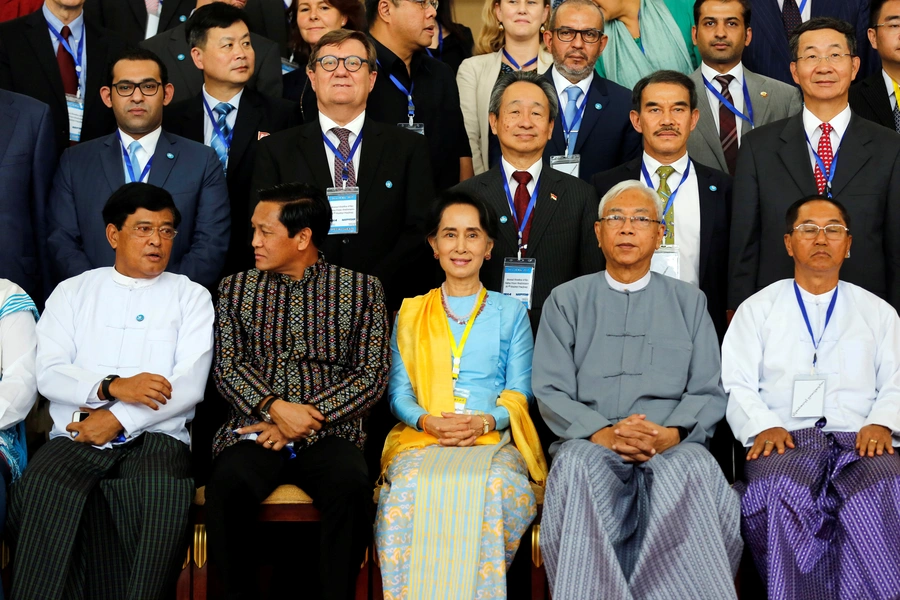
pixel 512 208
pixel 129 170
pixel 346 160
pixel 514 64
pixel 576 122
pixel 76 57
pixel 217 131
pixel 828 314
pixel 671 200
pixel 827 173
pixel 440 47
pixel 457 350
pixel 748 106
pixel 410 107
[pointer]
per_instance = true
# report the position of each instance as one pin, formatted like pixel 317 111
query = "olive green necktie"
pixel 664 192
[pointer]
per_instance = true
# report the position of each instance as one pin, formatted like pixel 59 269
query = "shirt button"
pixel 346 240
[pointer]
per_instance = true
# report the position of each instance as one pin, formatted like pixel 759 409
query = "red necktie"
pixel 826 155
pixel 727 125
pixel 521 200
pixel 67 65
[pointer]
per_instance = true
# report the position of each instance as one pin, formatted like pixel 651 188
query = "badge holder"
pixel 414 127
pixel 518 279
pixel 571 165
pixel 75 108
pixel 808 397
pixel 288 67
pixel 667 261
pixel 460 397
pixel 344 210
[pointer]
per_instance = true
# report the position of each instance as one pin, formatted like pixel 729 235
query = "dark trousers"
pixel 332 471
pixel 101 524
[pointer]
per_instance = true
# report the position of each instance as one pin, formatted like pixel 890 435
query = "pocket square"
pixel 261 134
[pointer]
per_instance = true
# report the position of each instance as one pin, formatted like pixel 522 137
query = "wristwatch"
pixel 487 427
pixel 104 386
pixel 264 409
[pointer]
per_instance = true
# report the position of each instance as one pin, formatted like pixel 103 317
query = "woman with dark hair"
pixel 315 18
pixel 464 424
pixel 452 42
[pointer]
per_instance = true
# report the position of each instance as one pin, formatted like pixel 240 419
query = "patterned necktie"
pixel 574 93
pixel 344 148
pixel 521 200
pixel 222 110
pixel 133 148
pixel 825 153
pixel 664 192
pixel 897 116
pixel 790 14
pixel 727 124
pixel 152 7
pixel 67 64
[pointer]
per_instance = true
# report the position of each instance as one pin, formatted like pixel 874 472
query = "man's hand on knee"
pixel 144 388
pixel 774 438
pixel 99 428
pixel 296 421
pixel 874 440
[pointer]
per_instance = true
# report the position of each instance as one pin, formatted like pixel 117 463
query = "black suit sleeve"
pixel 743 257
pixel 592 259
pixel 265 171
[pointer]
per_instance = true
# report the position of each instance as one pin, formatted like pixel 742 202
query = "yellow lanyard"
pixel 896 91
pixel 458 350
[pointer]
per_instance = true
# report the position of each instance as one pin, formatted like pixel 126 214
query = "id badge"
pixel 75 107
pixel 518 279
pixel 414 127
pixel 460 397
pixel 288 66
pixel 344 210
pixel 667 261
pixel 809 397
pixel 567 164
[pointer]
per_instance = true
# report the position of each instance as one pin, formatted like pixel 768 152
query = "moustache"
pixel 577 53
pixel 668 128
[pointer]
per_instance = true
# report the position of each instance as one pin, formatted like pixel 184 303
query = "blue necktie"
pixel 132 156
pixel 574 93
pixel 222 110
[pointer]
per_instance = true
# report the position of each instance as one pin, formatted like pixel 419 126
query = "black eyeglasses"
pixel 589 36
pixel 351 63
pixel 126 88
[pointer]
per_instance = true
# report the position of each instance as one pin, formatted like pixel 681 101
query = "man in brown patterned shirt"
pixel 301 353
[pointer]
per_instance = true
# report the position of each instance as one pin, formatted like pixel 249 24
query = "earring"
pixel 435 255
pixel 848 254
pixel 542 30
pixel 501 27
pixel 487 256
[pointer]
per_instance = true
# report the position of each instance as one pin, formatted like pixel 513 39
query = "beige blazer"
pixel 476 78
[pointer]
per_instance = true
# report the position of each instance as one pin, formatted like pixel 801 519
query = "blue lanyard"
pixel 806 318
pixel 65 44
pixel 410 107
pixel 512 206
pixel 344 159
pixel 802 6
pixel 828 173
pixel 440 43
pixel 748 106
pixel 671 200
pixel 513 62
pixel 576 123
pixel 129 169
pixel 216 129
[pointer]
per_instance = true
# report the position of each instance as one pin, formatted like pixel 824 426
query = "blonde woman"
pixel 510 40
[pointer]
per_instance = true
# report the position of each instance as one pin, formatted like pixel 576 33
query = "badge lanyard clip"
pixel 75 57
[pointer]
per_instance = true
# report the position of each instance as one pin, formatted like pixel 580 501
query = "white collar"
pixel 840 122
pixel 131 282
pixel 534 169
pixel 628 287
pixel 76 26
pixel 810 298
pixel 212 102
pixel 888 83
pixel 561 83
pixel 737 72
pixel 679 165
pixel 148 142
pixel 355 126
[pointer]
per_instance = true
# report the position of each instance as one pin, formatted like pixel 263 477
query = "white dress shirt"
pixel 687 214
pixel 628 287
pixel 355 126
pixel 768 344
pixel 534 169
pixel 736 88
pixel 208 131
pixel 153 22
pixel 18 384
pixel 813 127
pixel 889 85
pixel 804 14
pixel 144 153
pixel 102 323
pixel 77 29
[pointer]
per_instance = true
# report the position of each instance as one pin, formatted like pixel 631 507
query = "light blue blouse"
pixel 496 357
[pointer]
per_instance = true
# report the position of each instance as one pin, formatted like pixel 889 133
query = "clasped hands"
pixel 871 440
pixel 290 422
pixel 452 429
pixel 636 439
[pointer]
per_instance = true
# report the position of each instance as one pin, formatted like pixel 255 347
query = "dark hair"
pixel 445 18
pixel 338 37
pixel 131 197
pixel 875 7
pixel 790 217
pixel 673 77
pixel 212 16
pixel 817 23
pixel 136 54
pixel 487 216
pixel 302 206
pixel 746 9
pixel 354 10
pixel 372 10
pixel 504 81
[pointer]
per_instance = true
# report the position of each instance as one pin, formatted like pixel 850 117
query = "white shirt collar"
pixel 76 26
pixel 888 83
pixel 148 142
pixel 679 165
pixel 810 298
pixel 212 102
pixel 840 122
pixel 628 287
pixel 355 126
pixel 561 83
pixel 711 74
pixel 131 282
pixel 508 170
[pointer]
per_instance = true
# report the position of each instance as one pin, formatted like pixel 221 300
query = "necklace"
pixel 476 310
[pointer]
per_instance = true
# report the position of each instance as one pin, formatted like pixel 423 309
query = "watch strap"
pixel 104 386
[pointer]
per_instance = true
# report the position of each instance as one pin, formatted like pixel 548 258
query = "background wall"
pixel 468 12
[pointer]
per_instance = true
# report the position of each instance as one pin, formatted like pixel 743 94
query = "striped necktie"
pixel 222 110
pixel 727 124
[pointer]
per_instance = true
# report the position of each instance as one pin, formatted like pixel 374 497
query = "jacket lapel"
pixel 852 155
pixel 760 103
pixel 111 159
pixel 39 38
pixel 596 100
pixel 707 124
pixel 97 58
pixel 139 8
pixel 170 9
pixel 372 149
pixel 312 149
pixel 873 90
pixel 493 192
pixel 162 164
pixel 8 117
pixel 795 156
pixel 548 199
pixel 557 143
pixel 708 201
pixel 194 120
pixel 246 127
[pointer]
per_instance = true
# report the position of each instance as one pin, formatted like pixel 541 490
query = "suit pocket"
pixel 15 159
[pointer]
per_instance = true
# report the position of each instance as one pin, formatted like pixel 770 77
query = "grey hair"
pixel 636 185
pixel 589 3
pixel 528 76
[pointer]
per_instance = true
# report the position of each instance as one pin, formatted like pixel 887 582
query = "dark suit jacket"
pixel 172 47
pixel 257 114
pixel 269 19
pixel 89 173
pixel 606 137
pixel 28 66
pixel 768 53
pixel 774 170
pixel 870 100
pixel 128 18
pixel 715 220
pixel 27 162
pixel 562 239
pixel 396 192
